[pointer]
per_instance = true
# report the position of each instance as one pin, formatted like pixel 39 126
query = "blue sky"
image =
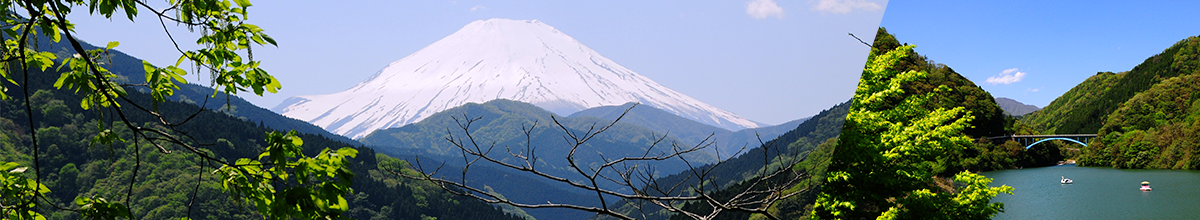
pixel 1034 51
pixel 771 61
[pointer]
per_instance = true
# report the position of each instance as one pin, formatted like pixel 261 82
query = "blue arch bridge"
pixel 1030 140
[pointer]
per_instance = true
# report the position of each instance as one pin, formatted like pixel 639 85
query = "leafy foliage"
pixel 319 182
pixel 224 35
pixel 18 191
pixel 81 80
pixel 100 207
pixel 890 148
pixel 972 201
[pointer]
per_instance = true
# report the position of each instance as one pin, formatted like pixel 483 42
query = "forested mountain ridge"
pixel 1084 108
pixel 166 181
pixel 1145 117
pixel 1156 129
pixel 165 184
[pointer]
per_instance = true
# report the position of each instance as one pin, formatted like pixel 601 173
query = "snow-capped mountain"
pixel 522 60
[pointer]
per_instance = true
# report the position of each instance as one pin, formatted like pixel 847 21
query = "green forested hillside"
pixel 1144 117
pixel 1156 129
pixel 1084 109
pixel 166 183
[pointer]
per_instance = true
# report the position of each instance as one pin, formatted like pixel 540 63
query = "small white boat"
pixel 1145 186
pixel 1065 180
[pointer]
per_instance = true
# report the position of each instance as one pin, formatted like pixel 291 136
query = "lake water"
pixel 1098 193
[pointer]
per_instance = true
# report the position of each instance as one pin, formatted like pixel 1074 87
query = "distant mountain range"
pixel 521 60
pixel 1015 108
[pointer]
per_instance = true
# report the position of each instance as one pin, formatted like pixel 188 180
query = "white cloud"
pixel 760 9
pixel 845 6
pixel 1033 89
pixel 478 7
pixel 1009 76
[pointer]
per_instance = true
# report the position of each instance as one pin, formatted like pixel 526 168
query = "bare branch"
pixel 859 40
pixel 632 178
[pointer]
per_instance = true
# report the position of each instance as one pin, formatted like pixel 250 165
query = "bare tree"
pixel 630 179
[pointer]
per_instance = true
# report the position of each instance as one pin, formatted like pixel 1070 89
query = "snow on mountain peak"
pixel 522 60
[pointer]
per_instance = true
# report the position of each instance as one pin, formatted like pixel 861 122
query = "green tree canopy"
pixel 888 152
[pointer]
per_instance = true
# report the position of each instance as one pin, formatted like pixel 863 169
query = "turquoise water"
pixel 1098 193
